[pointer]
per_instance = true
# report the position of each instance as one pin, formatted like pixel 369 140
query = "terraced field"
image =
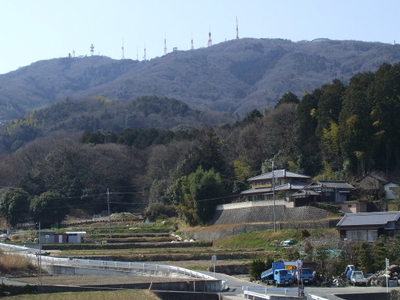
pixel 141 245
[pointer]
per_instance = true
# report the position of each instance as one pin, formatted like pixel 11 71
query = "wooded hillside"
pixel 49 168
pixel 234 77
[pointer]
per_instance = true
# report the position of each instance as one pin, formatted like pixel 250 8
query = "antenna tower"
pixel 165 44
pixel 209 38
pixel 92 49
pixel 191 43
pixel 123 49
pixel 144 52
pixel 237 29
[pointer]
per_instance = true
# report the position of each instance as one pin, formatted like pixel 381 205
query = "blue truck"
pixel 303 275
pixel 278 275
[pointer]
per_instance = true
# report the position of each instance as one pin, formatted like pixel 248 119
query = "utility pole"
pixel 40 257
pixel 109 212
pixel 273 194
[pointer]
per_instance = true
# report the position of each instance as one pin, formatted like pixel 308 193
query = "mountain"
pixel 235 76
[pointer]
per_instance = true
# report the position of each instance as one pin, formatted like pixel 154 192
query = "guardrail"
pixel 139 269
pixel 266 292
pixel 251 292
pixel 314 297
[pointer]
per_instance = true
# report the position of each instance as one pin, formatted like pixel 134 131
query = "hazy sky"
pixel 33 30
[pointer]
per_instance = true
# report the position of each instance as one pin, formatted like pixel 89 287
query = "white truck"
pixel 355 277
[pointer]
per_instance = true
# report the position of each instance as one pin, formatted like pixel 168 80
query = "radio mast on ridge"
pixel 237 29
pixel 209 38
pixel 123 49
pixel 165 44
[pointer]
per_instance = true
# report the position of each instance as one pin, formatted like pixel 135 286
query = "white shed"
pixel 75 237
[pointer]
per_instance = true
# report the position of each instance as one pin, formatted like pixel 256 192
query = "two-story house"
pixel 278 183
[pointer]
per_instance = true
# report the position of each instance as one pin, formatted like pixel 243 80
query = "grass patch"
pixel 13 263
pixel 268 239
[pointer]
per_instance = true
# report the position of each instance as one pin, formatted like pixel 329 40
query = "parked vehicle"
pixel 288 243
pixel 355 277
pixel 304 275
pixel 278 275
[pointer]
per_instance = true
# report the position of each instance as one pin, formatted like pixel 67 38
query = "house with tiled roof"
pixel 333 192
pixel 279 183
pixel 377 187
pixel 369 226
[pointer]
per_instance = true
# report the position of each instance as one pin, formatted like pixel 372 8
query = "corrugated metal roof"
pixel 369 218
pixel 278 174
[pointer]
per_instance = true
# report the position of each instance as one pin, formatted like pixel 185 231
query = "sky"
pixel 34 30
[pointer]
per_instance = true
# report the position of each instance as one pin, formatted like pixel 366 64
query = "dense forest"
pixel 72 163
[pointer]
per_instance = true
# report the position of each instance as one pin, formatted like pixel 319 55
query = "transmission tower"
pixel 209 38
pixel 123 49
pixel 165 44
pixel 237 29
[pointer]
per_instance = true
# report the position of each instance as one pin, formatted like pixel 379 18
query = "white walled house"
pixel 368 226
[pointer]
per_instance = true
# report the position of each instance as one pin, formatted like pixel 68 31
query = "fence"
pixel 253 292
pixel 133 268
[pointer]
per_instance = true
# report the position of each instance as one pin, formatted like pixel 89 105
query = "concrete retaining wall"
pixel 369 296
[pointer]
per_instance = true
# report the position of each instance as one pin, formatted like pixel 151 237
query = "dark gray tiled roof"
pixel 369 218
pixel 283 187
pixel 331 184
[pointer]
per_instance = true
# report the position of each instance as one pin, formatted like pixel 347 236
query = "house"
pixel 377 187
pixel 278 183
pixel 331 191
pixel 323 191
pixel 369 226
pixel 371 185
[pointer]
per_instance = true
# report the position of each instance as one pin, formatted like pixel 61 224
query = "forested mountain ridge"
pixel 58 159
pixel 234 76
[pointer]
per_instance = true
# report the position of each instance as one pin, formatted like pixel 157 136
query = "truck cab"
pixel 304 275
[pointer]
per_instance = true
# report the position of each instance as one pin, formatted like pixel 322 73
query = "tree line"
pixel 337 131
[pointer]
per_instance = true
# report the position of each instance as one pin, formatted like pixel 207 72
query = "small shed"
pixel 353 206
pixel 46 237
pixel 75 237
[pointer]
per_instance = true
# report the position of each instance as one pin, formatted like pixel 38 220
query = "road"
pixel 7 281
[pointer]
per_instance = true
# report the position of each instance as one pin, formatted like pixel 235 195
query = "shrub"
pixel 153 211
pixel 257 266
